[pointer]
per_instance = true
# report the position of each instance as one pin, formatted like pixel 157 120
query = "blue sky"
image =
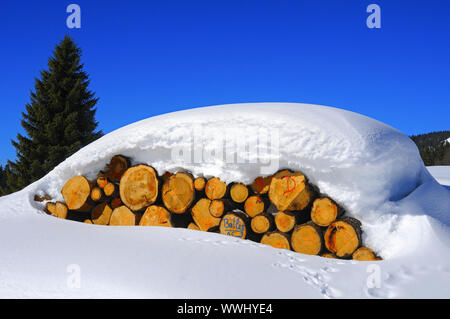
pixel 151 57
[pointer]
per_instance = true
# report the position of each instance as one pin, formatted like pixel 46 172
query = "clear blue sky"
pixel 152 57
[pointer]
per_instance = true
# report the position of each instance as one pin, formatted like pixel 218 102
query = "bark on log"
pixel 117 167
pixel 215 188
pixel 276 240
pixel 238 192
pixel 343 237
pixel 285 221
pixel 202 217
pixel 235 224
pixel 262 223
pixel 139 187
pixel 115 202
pixel 123 216
pixel 289 191
pixel 42 198
pixel 101 214
pixel 156 216
pixel 324 211
pixel 364 254
pixel 307 239
pixel 178 192
pixel 76 193
pixel 255 205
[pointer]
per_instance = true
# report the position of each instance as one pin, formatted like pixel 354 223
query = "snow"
pixel 373 170
pixel 440 173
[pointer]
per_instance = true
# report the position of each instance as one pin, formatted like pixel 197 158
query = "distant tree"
pixel 433 147
pixel 2 181
pixel 59 119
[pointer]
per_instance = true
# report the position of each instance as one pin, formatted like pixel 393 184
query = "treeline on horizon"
pixel 60 119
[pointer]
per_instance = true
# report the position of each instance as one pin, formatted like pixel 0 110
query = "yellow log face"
pixel 233 225
pixel 306 240
pixel 202 217
pixel 178 192
pixel 285 187
pixel 341 239
pixel 156 216
pixel 285 221
pixel 275 240
pixel 215 188
pixel 122 216
pixel 216 208
pixel 260 224
pixel 193 226
pixel 139 187
pixel 323 212
pixel 76 191
pixel 254 206
pixel 199 183
pixel 239 193
pixel 364 254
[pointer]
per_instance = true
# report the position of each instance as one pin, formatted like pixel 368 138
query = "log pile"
pixel 283 210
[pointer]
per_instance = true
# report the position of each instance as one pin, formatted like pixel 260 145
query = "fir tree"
pixel 2 181
pixel 59 119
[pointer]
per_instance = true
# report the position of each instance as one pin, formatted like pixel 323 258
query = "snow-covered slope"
pixel 440 173
pixel 373 170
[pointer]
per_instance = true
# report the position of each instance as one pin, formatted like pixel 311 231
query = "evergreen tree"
pixel 2 181
pixel 59 119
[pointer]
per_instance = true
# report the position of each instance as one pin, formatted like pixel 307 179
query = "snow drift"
pixel 372 170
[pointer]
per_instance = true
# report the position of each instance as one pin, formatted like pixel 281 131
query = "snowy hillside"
pixel 371 169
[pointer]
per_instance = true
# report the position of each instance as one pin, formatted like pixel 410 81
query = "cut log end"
pixel 285 221
pixel 156 216
pixel 254 205
pixel 234 224
pixel 289 191
pixel 202 216
pixel 38 198
pixel 343 237
pixel 61 210
pixel 324 211
pixel 238 193
pixel 123 216
pixel 101 214
pixel 262 223
pixel 76 193
pixel 217 207
pixel 276 240
pixel 178 192
pixel 139 187
pixel 97 194
pixel 199 184
pixel 364 254
pixel 102 180
pixel 307 239
pixel 115 202
pixel 215 188
pixel 328 255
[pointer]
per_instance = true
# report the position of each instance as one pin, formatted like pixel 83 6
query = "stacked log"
pixel 284 210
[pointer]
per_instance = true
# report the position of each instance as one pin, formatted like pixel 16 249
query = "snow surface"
pixel 440 173
pixel 371 169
